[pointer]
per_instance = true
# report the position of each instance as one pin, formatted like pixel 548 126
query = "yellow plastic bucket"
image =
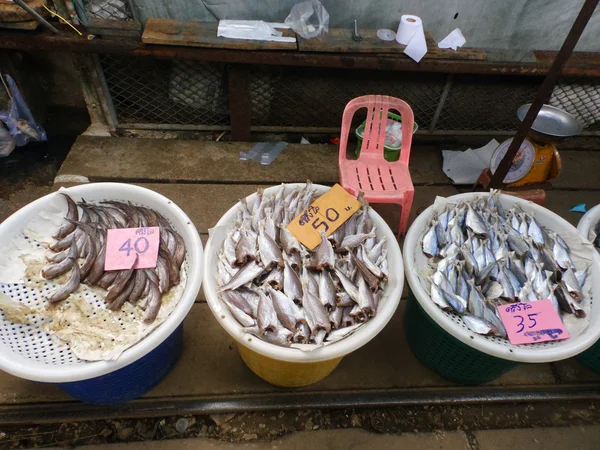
pixel 284 373
pixel 292 367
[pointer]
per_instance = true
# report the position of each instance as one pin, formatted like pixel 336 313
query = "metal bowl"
pixel 552 124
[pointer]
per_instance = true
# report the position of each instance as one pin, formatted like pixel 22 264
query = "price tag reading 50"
pixel 532 322
pixel 123 244
pixel 325 214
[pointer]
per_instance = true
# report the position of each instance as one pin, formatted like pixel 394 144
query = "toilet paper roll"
pixel 408 27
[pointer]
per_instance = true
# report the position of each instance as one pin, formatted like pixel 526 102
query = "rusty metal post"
pixel 545 90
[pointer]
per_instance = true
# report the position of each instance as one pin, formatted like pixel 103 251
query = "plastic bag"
pixel 19 120
pixel 309 19
pixel 7 143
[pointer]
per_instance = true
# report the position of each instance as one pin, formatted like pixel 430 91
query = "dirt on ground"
pixel 269 425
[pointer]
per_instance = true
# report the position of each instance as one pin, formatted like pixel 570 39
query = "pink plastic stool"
pixel 380 181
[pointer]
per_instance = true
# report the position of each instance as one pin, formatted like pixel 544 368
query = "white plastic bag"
pixel 251 29
pixel 309 19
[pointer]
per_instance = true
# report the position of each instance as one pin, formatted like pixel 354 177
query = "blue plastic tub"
pixel 132 381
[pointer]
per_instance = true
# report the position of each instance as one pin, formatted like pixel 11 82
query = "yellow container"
pixel 284 373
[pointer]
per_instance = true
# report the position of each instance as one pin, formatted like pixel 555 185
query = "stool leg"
pixel 405 207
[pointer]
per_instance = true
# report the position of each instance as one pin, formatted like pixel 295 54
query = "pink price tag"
pixel 123 244
pixel 532 322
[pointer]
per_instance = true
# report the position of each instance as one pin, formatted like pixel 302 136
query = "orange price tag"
pixel 326 214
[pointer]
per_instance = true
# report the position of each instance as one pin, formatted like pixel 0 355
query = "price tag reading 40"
pixel 326 214
pixel 123 244
pixel 532 322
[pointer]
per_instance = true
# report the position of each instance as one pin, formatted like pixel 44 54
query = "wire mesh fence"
pixel 108 9
pixel 146 90
pixel 315 98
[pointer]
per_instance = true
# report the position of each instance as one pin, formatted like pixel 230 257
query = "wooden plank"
pixel 586 58
pixel 204 34
pixel 120 28
pixel 24 25
pixel 340 40
pixel 184 161
pixel 579 170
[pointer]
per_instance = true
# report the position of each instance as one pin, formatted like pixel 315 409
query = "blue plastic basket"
pixel 131 381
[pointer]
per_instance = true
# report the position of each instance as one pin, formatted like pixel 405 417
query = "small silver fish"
pixel 246 274
pixel 475 223
pixel 459 304
pixel 478 325
pixel 352 241
pixel 327 293
pixel 288 313
pixel 243 318
pixel 570 283
pixel 315 313
pixel 430 243
pixel 325 256
pixel 365 298
pixel 438 298
pixel 69 287
pixel 269 251
pixel 292 286
pixel 266 315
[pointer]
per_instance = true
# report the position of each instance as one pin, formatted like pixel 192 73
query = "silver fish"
pixel 69 287
pixel 242 317
pixel 292 286
pixel 430 243
pixel 438 298
pixel 288 313
pixel 478 325
pixel 316 315
pixel 535 231
pixel 335 317
pixel 327 292
pixel 68 226
pixel 475 223
pixel 570 283
pixel 245 249
pixel 325 256
pixel 62 267
pixel 459 304
pixel 266 314
pixel 348 285
pixel 352 241
pixel 269 251
pixel 246 274
pixel 365 298
pixel 561 256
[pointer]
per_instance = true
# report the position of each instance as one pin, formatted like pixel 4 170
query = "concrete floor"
pixel 580 438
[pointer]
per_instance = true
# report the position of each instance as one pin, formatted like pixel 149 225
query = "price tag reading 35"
pixel 532 322
pixel 326 214
pixel 123 244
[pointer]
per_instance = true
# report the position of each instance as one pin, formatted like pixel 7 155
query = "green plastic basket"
pixel 591 358
pixel 446 355
pixel 390 154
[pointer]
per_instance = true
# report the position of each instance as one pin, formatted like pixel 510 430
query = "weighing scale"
pixel 538 160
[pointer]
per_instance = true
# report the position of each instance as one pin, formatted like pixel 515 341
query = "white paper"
pixel 465 167
pixel 417 47
pixel 256 30
pixel 454 40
